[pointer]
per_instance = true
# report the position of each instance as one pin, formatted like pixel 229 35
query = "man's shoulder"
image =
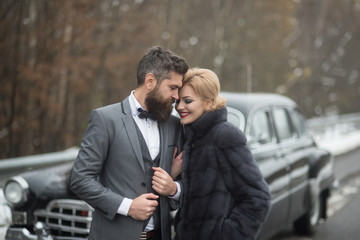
pixel 115 110
pixel 122 106
pixel 109 107
pixel 109 110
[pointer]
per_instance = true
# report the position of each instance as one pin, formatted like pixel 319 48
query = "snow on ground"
pixel 338 143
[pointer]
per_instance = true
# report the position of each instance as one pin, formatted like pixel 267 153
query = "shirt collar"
pixel 134 104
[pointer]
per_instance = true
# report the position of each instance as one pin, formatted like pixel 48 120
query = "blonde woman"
pixel 225 195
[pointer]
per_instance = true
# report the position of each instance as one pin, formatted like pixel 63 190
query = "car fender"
pixel 322 168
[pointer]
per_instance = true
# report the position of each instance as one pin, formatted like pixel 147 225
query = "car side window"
pixel 298 121
pixel 260 129
pixel 282 123
pixel 236 117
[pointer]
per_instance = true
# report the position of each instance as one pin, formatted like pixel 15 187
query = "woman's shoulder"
pixel 228 135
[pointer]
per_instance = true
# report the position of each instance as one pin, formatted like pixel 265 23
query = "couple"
pixel 130 155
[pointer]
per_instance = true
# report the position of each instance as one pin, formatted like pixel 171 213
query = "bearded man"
pixel 125 158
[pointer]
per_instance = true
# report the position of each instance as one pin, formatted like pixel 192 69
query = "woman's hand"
pixel 176 166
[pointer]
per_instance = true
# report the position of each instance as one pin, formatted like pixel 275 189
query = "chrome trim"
pixel 23 183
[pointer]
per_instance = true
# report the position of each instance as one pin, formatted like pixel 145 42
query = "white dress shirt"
pixel 150 131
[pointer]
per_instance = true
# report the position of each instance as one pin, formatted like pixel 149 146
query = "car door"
pixel 295 151
pixel 273 165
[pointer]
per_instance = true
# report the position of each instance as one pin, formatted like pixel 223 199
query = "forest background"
pixel 60 59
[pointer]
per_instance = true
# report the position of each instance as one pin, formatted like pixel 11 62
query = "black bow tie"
pixel 145 114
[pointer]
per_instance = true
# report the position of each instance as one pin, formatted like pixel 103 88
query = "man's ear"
pixel 150 81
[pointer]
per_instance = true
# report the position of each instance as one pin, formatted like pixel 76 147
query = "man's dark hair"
pixel 160 61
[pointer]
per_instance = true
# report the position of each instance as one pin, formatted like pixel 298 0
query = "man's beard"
pixel 161 108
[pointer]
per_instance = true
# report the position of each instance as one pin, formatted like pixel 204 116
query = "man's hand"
pixel 163 183
pixel 176 166
pixel 143 206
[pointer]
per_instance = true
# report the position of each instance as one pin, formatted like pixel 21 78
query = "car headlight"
pixel 16 191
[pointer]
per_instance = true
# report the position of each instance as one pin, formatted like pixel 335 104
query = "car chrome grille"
pixel 66 217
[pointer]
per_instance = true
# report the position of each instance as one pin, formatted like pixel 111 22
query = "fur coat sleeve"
pixel 245 182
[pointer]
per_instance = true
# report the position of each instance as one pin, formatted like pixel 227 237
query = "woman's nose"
pixel 178 105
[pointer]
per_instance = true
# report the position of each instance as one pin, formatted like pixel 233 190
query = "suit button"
pixel 143 184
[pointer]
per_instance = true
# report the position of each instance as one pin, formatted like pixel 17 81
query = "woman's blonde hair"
pixel 205 84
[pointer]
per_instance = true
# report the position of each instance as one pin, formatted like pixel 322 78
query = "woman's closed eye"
pixel 186 101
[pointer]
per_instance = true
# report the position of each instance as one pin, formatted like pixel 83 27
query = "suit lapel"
pixel 164 130
pixel 130 128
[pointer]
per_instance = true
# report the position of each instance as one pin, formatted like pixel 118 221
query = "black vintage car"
pixel 299 174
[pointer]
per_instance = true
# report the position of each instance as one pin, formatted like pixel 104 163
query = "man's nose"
pixel 175 95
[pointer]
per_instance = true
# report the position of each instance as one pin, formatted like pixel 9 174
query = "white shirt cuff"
pixel 177 194
pixel 125 206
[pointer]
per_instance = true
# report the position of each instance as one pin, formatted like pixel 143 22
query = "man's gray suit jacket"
pixel 109 167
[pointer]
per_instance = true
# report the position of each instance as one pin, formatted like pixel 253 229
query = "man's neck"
pixel 140 94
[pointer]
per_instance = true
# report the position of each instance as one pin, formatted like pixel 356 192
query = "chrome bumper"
pixel 40 234
pixel 19 233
